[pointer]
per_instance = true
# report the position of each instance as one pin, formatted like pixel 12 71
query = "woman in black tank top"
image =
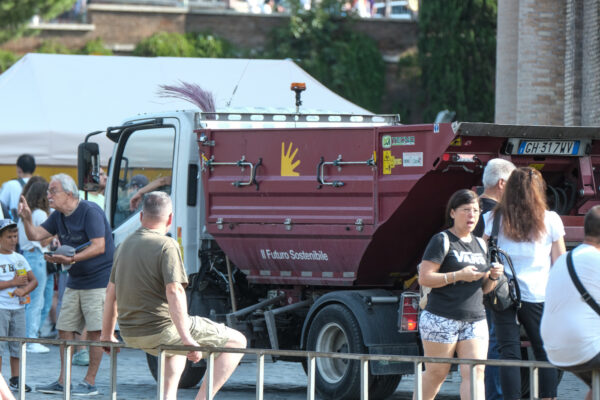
pixel 455 266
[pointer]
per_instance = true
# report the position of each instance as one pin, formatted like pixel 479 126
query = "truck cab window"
pixel 145 164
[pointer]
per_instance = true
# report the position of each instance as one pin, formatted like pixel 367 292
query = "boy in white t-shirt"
pixel 16 282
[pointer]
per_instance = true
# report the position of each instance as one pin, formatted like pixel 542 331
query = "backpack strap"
pixel 446 243
pixel 482 243
pixel 495 227
pixel 21 181
pixel 587 297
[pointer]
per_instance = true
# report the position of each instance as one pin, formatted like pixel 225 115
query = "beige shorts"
pixel 204 331
pixel 81 308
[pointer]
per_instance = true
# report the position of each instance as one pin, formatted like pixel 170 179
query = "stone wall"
pixel 122 27
pixel 548 63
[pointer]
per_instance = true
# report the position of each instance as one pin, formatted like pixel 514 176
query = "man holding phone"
pixel 76 222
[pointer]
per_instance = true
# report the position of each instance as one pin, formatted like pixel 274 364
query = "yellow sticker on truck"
pixel 389 162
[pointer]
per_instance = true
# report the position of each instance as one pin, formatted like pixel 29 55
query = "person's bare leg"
pixel 5 393
pixel 434 373
pixel 65 336
pixel 174 367
pixel 225 364
pixel 83 336
pixel 475 349
pixel 95 358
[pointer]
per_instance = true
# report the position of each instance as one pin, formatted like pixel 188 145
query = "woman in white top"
pixel 41 298
pixel 533 237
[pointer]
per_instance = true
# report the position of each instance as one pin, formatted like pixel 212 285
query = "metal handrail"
pixel 311 356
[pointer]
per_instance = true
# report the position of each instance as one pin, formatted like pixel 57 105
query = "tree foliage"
pixel 165 44
pixel 15 14
pixel 323 42
pixel 95 47
pixel 92 47
pixel 7 59
pixel 457 54
pixel 53 47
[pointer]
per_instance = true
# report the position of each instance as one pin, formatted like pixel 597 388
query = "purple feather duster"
pixel 190 92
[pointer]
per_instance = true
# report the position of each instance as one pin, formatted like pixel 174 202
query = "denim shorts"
pixel 434 328
pixel 12 323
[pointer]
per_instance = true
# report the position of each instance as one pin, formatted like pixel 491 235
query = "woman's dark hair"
pixel 37 197
pixel 523 205
pixel 460 198
pixel 30 182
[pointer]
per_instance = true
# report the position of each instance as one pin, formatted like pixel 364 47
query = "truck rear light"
pixel 408 311
pixel 465 158
pixel 460 158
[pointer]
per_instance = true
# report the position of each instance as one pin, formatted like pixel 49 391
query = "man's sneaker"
pixel 85 389
pixel 82 358
pixel 14 384
pixel 37 348
pixel 53 388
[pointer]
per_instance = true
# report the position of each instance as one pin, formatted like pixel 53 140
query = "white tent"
pixel 48 102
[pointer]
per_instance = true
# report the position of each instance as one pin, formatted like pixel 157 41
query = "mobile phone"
pixel 484 268
pixel 48 253
pixel 82 246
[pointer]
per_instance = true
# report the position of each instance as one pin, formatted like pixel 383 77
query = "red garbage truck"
pixel 304 231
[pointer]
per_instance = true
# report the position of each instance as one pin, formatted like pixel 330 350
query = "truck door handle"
pixel 337 163
pixel 242 163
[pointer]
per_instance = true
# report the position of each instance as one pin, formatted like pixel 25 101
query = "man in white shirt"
pixel 570 328
pixel 10 194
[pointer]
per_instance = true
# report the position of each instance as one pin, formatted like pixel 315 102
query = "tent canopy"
pixel 49 102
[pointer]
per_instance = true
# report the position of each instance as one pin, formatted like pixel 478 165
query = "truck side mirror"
pixel 88 166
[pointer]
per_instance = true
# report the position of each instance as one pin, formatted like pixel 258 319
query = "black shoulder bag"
pixel 507 292
pixel 587 297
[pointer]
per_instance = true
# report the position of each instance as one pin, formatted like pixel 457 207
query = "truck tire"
pixel 383 386
pixel 189 378
pixel 334 329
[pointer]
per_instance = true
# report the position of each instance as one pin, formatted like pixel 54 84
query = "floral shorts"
pixel 438 329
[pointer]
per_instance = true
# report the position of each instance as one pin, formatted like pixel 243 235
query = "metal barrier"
pixel 311 356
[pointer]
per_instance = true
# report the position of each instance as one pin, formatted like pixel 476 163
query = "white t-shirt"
pixel 570 327
pixel 9 264
pixel 93 197
pixel 531 260
pixel 37 216
pixel 11 193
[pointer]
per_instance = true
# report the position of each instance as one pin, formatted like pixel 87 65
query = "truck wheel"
pixel 335 330
pixel 189 378
pixel 383 386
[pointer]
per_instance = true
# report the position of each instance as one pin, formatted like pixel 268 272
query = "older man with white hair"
pixel 82 225
pixel 495 176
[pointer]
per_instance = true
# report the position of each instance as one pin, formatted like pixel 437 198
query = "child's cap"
pixel 7 223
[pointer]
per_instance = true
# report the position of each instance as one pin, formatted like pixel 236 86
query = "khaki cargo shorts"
pixel 81 308
pixel 204 331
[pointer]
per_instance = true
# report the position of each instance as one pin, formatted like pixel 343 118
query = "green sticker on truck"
pixel 388 141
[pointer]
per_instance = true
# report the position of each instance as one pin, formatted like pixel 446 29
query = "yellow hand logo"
pixel 287 161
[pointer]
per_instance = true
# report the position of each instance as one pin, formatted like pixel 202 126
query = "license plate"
pixel 549 147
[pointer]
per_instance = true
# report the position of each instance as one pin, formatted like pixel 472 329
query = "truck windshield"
pixel 145 162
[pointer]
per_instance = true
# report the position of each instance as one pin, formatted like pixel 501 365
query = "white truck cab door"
pixel 143 159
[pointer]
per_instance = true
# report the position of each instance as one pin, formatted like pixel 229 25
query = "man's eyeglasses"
pixel 53 192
